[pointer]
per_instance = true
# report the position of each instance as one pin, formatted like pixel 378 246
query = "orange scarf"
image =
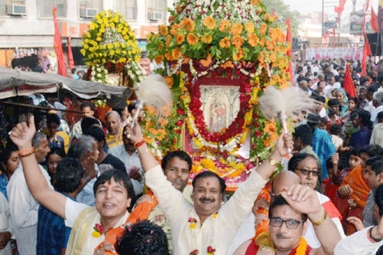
pixel 359 186
pixel 140 213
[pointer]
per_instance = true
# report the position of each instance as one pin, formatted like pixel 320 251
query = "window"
pixel 156 9
pixel 91 4
pixel 128 8
pixel 44 8
pixel 4 3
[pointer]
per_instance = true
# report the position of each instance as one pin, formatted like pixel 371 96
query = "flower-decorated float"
pixel 111 52
pixel 218 57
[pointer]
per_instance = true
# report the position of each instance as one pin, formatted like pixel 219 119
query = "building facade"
pixel 27 26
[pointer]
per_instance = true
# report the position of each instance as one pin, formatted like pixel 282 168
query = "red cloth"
pixel 70 54
pixel 58 46
pixel 374 21
pixel 339 9
pixel 252 249
pixel 366 52
pixel 348 84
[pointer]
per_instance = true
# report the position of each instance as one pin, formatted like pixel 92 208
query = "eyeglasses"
pixel 290 223
pixel 307 172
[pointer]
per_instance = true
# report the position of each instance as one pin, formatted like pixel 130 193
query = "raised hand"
pixel 284 143
pixel 133 134
pixel 22 134
pixel 302 199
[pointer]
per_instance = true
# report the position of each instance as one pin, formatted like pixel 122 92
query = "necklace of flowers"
pixel 192 225
pixel 97 230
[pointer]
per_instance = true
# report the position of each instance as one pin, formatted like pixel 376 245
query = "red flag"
pixel 70 54
pixel 333 37
pixel 58 46
pixel 374 21
pixel 327 35
pixel 290 51
pixel 366 52
pixel 348 84
pixel 339 9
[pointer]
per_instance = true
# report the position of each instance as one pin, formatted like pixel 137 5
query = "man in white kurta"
pixel 24 211
pixel 23 207
pixel 216 232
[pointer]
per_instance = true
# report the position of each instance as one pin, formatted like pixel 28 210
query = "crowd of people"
pixel 94 187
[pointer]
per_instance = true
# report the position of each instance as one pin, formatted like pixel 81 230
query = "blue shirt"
pixel 324 148
pixel 3 184
pixel 52 234
pixel 360 138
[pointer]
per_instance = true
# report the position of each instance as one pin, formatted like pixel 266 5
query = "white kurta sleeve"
pixel 357 243
pixel 170 200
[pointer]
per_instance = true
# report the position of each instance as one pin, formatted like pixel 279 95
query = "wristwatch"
pixel 272 162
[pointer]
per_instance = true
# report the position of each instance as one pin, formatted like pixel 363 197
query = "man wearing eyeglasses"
pixel 288 216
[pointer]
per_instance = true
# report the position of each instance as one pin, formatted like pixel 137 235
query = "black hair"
pixel 335 129
pixel 378 197
pixel 365 118
pixel 305 133
pixel 379 116
pixel 321 99
pixel 87 122
pixel 132 106
pixel 143 238
pixel 355 99
pixel 87 104
pixel 58 151
pixel 370 89
pixel 179 154
pixel 371 150
pixel 53 118
pixel 120 107
pixel 279 201
pixel 333 101
pixel 206 174
pixel 6 153
pixel 376 164
pixel 97 133
pixel 69 175
pixel 118 176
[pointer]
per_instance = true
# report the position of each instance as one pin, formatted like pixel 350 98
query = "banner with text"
pixel 331 53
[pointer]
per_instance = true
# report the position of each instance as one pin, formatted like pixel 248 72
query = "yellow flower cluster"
pixel 109 39
pixel 220 39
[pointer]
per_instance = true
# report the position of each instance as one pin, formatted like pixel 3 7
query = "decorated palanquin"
pixel 218 56
pixel 111 53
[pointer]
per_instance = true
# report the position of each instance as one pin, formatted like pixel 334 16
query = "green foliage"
pixel 283 12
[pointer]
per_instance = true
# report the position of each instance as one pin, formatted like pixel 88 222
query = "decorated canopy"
pixel 218 57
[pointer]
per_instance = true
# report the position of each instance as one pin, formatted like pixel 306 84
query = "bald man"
pixel 114 135
pixel 246 231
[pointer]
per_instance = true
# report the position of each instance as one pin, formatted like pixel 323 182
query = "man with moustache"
pixel 207 226
pixel 288 216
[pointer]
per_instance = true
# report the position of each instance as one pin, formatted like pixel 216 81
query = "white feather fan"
pixel 284 103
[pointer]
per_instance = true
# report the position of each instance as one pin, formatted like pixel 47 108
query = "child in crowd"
pixel 335 131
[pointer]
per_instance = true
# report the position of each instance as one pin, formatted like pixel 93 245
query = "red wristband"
pixel 139 143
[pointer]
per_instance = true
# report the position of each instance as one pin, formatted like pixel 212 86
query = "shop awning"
pixel 18 83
